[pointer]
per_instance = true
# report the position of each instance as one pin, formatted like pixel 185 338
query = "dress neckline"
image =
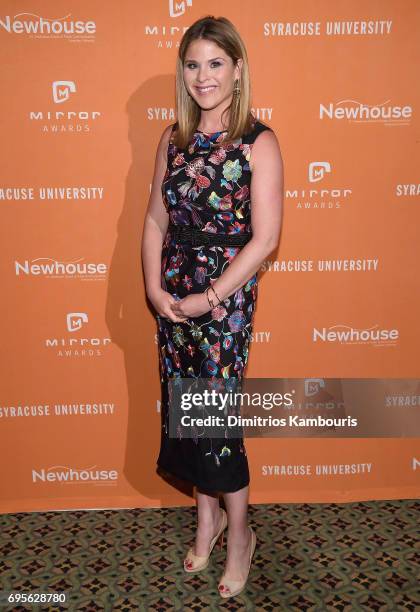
pixel 211 133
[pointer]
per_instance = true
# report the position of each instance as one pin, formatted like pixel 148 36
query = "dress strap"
pixel 257 129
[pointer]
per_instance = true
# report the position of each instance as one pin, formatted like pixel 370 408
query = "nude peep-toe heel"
pixel 230 588
pixel 193 563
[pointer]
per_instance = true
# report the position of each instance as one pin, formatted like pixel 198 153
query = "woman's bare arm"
pixel 156 220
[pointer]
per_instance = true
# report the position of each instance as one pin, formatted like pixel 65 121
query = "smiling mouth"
pixel 206 89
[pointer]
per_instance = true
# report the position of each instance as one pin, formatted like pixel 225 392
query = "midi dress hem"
pixel 202 486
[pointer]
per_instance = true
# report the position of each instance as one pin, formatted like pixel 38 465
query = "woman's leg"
pixel 238 540
pixel 208 521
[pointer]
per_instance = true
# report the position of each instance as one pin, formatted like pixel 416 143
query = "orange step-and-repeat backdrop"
pixel 88 88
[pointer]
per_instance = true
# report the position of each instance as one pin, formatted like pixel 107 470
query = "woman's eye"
pixel 216 64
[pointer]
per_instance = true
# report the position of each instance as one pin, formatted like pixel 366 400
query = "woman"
pixel 201 251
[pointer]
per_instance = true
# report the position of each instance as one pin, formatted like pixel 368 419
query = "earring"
pixel 236 89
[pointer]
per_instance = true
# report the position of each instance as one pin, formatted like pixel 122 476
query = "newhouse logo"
pixel 345 334
pixel 355 111
pixel 62 474
pixel 36 26
pixel 52 268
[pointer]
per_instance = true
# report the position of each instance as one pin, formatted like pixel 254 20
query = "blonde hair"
pixel 223 33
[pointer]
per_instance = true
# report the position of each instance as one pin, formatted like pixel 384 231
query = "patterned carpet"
pixel 311 557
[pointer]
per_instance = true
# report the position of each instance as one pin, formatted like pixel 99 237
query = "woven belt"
pixel 187 233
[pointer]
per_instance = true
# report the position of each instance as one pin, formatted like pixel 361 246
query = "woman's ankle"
pixel 239 534
pixel 209 519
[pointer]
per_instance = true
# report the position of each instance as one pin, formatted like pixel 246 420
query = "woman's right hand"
pixel 161 301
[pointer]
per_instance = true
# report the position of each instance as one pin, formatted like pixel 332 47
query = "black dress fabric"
pixel 207 186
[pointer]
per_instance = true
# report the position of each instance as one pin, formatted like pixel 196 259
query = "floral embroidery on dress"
pixel 206 186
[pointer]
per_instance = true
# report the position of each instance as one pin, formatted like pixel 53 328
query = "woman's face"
pixel 209 74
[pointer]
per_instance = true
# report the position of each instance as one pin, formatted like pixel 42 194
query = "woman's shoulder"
pixel 257 127
pixel 267 149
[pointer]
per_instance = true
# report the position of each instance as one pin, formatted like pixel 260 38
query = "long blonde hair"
pixel 223 33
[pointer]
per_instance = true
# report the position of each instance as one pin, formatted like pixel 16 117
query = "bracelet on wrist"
pixel 214 291
pixel 210 300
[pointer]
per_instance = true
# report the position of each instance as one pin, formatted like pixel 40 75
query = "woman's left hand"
pixel 192 305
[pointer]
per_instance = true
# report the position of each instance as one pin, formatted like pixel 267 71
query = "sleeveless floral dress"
pixel 207 186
